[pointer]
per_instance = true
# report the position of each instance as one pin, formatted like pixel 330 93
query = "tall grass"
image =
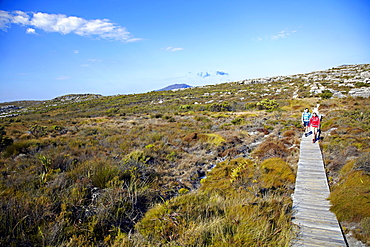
pixel 224 212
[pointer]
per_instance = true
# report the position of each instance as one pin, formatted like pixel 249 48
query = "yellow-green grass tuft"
pixel 213 139
pixel 276 173
pixel 350 199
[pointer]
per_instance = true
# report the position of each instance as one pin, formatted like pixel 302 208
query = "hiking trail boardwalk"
pixel 318 225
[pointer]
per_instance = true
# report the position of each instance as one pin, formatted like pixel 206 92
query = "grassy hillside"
pixel 209 166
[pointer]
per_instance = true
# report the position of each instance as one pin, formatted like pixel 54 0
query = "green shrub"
pixel 4 140
pixel 326 94
pixel 238 121
pixel 137 156
pixel 17 148
pixel 267 104
pixel 183 191
pixel 250 105
pixel 202 119
pixel 102 174
pixel 157 115
pixel 171 156
pixel 218 107
pixel 37 130
pixel 362 84
pixel 112 112
pixel 185 107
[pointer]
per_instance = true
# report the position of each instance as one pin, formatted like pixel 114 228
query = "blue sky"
pixel 110 47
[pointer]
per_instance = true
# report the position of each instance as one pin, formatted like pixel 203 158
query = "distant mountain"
pixel 174 86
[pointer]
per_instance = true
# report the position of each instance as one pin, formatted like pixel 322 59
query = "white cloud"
pixel 101 28
pixel 94 60
pixel 172 49
pixel 5 18
pixel 282 34
pixel 63 78
pixel 20 18
pixel 31 31
pixel 76 51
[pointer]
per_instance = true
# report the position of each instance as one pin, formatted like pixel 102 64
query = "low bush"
pixel 218 107
pixel 350 199
pixel 4 140
pixel 220 213
pixel 326 94
pixel 267 104
pixel 272 148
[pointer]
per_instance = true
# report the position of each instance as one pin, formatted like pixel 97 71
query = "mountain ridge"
pixel 175 87
pixel 343 75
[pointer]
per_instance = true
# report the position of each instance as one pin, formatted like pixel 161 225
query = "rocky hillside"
pixel 212 165
pixel 339 82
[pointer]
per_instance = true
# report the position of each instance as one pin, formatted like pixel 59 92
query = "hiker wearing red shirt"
pixel 315 124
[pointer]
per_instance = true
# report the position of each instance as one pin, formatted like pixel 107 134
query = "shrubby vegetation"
pixel 5 141
pixel 209 166
pixel 347 156
pixel 232 207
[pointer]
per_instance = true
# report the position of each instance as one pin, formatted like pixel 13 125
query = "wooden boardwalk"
pixel 318 225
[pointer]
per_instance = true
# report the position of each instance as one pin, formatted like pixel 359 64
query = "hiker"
pixel 314 124
pixel 316 109
pixel 306 115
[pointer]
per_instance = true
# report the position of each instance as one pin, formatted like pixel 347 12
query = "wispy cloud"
pixel 221 73
pixel 282 34
pixel 204 74
pixel 172 49
pixel 60 78
pixel 212 74
pixel 76 51
pixel 91 60
pixel 60 23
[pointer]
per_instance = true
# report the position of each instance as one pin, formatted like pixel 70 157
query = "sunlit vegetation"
pixel 240 203
pixel 347 155
pixel 205 166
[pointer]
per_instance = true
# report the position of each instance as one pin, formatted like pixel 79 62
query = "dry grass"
pixel 223 212
pixel 110 160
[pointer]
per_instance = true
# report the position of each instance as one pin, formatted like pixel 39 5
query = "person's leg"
pixel 313 134
pixel 307 127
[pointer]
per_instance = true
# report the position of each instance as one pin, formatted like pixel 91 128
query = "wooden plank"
pixel 318 225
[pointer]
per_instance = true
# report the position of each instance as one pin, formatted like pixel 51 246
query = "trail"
pixel 318 225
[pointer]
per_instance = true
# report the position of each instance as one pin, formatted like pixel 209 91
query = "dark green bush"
pixel 238 121
pixel 4 140
pixel 217 107
pixel 326 94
